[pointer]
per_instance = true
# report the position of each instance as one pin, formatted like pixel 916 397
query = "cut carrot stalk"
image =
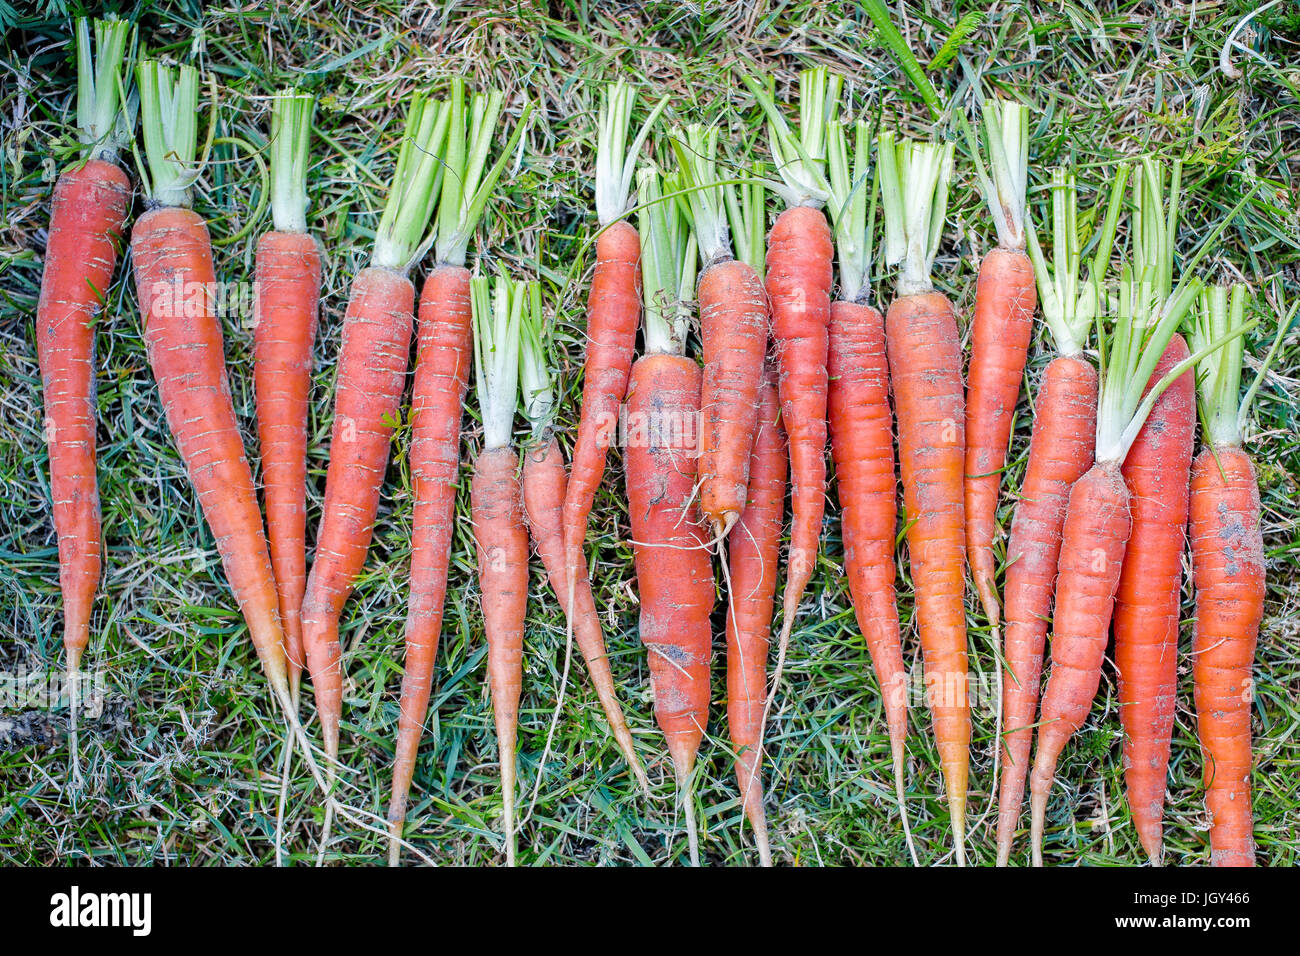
pixel 924 355
pixel 87 216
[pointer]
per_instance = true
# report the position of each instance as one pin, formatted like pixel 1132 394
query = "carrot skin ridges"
pixel 925 370
pixel 1156 470
pixel 372 365
pixel 1093 539
pixel 501 543
pixel 287 287
pixel 1005 298
pixel 1060 453
pixel 673 568
pixel 172 254
pixel 613 311
pixel 753 554
pixel 545 477
pixel 862 445
pixel 444 351
pixel 734 330
pixel 1228 571
pixel 88 214
pixel 799 254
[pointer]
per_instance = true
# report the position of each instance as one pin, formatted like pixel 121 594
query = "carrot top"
pixel 169 107
pixel 801 159
pixel 715 212
pixel 498 309
pixel 467 181
pixel 534 363
pixel 615 161
pixel 1069 304
pixel 747 214
pixel 291 116
pixel 1006 140
pixel 667 263
pixel 103 126
pixel 914 190
pixel 853 208
pixel 415 187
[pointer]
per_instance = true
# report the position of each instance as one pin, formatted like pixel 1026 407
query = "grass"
pixel 183 765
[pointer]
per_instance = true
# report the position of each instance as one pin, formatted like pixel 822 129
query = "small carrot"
pixel 497 514
pixel 673 571
pixel 924 355
pixel 287 289
pixel 87 216
pixel 437 400
pixel 862 436
pixel 1000 332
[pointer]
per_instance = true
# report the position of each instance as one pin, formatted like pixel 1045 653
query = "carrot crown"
pixel 103 126
pixel 1006 139
pixel 468 181
pixel 914 191
pixel 853 208
pixel 534 365
pixel 747 214
pixel 498 308
pixel 667 263
pixel 415 187
pixel 615 161
pixel 291 115
pixel 1070 304
pixel 801 160
pixel 169 107
pixel 704 200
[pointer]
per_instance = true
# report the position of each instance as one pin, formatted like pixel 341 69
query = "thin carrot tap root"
pixel 752 557
pixel 1150 587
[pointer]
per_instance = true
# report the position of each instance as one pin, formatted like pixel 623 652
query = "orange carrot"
pixel 754 550
pixel 1000 332
pixel 87 216
pixel 1150 588
pixel 924 355
pixel 287 290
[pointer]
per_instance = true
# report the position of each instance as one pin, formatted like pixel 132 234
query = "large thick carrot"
pixel 924 355
pixel 673 571
pixel 862 436
pixel 1150 590
pixel 437 401
pixel 372 365
pixel 753 552
pixel 287 289
pixel 613 310
pixel 1060 452
pixel 87 216
pixel 1229 575
pixel 799 254
pixel 1000 332
pixel 544 481
pixel 497 514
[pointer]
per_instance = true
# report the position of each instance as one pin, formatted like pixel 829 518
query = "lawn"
pixel 182 765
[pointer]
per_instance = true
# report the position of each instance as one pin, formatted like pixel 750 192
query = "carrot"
pixel 1000 331
pixel 799 256
pixel 287 289
pixel 925 370
pixel 1146 616
pixel 862 437
pixel 673 571
pixel 753 551
pixel 1060 452
pixel 437 401
pixel 497 514
pixel 87 216
pixel 613 309
pixel 372 366
pixel 1229 576
pixel 544 481
pixel 733 328
pixel 1098 519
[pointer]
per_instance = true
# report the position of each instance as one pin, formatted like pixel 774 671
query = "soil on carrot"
pixel 189 768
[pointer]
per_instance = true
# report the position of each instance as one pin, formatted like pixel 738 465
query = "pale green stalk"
pixel 1006 140
pixel 914 192
pixel 414 191
pixel 291 116
pixel 667 263
pixel 498 307
pixel 104 127
pixel 801 159
pixel 534 366
pixel 852 208
pixel 747 214
pixel 169 106
pixel 615 161
pixel 704 200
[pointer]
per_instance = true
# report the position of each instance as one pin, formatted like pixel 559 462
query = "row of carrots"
pixel 1099 523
